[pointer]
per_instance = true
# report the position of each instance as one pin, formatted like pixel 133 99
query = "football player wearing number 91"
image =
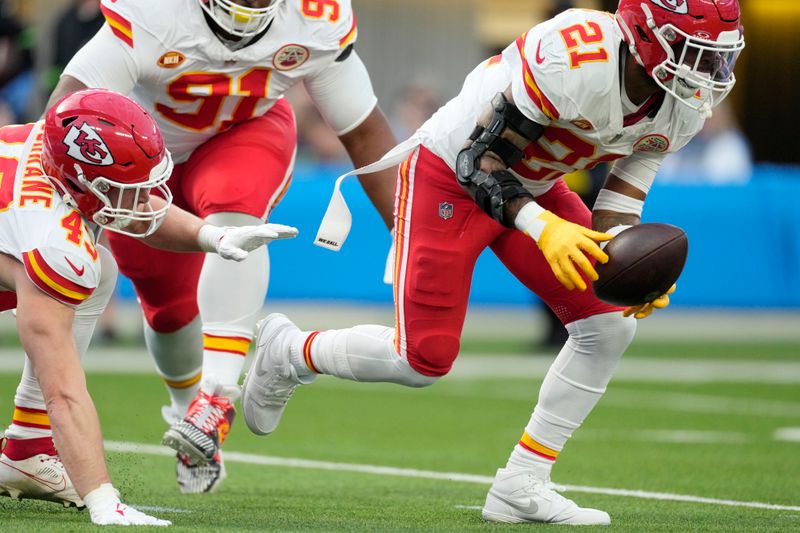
pixel 97 160
pixel 485 171
pixel 212 73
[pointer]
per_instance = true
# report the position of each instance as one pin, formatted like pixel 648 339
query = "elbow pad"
pixel 491 191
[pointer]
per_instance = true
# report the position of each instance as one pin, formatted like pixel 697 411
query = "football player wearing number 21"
pixel 485 171
pixel 212 73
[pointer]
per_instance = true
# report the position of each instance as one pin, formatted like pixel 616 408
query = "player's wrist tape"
pixel 104 496
pixel 528 221
pixel 208 237
pixel 616 230
pixel 620 203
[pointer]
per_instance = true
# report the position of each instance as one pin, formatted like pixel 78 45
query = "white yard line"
pixel 788 434
pixel 677 436
pixel 474 366
pixel 677 369
pixel 253 459
pixel 158 509
pixel 699 403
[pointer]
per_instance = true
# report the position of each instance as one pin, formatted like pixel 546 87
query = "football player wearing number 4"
pixel 212 73
pixel 97 159
pixel 583 87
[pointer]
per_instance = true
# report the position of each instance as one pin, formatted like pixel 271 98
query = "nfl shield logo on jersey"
pixel 445 210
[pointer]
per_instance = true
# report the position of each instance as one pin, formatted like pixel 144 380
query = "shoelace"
pixel 538 486
pixel 277 393
pixel 211 412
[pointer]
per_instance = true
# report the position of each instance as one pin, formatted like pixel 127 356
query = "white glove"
pixel 236 243
pixel 105 509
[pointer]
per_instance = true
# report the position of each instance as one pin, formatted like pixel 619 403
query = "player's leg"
pixel 598 336
pixel 29 464
pixel 166 284
pixel 433 269
pixel 234 179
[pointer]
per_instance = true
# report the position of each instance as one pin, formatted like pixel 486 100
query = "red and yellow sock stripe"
pixel 307 352
pixel 218 343
pixel 539 449
pixel 30 418
pixel 183 383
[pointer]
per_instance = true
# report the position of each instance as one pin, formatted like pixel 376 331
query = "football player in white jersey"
pixel 213 74
pixel 484 171
pixel 97 160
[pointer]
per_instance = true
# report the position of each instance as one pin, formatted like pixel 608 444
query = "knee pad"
pixel 433 354
pixel 232 219
pixel 231 295
pixel 594 348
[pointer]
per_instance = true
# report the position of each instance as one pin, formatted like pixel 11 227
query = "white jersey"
pixel 165 56
pixel 49 238
pixel 565 74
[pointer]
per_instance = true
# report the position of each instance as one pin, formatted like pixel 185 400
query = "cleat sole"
pixel 177 442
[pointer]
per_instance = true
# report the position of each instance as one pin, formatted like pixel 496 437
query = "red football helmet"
pixel 239 20
pixel 689 47
pixel 105 154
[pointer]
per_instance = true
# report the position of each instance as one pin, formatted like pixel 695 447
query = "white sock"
pixel 178 358
pixel 578 378
pixel 361 353
pixel 30 419
pixel 230 296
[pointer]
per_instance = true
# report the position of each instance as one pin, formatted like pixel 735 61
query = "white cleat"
pixel 41 477
pixel 272 379
pixel 518 496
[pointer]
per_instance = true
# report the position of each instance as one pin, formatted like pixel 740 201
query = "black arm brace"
pixel 491 191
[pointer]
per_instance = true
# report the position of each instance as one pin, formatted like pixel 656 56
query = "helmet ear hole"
pixel 642 35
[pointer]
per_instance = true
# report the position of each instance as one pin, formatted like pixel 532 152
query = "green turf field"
pixel 702 440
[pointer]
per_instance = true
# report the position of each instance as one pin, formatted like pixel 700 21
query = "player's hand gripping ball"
pixel 644 262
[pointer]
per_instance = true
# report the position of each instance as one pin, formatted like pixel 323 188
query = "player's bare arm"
pixel 365 144
pixel 605 219
pixel 45 330
pixel 66 85
pixel 490 161
pixel 619 206
pixel 182 231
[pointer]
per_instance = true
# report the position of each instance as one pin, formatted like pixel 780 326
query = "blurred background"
pixel 733 189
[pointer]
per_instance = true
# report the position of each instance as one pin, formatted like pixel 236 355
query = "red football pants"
pixel 245 169
pixel 440 232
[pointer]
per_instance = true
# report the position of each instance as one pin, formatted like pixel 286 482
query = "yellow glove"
pixel 563 244
pixel 644 310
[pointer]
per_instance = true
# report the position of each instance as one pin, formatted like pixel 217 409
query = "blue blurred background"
pixel 733 189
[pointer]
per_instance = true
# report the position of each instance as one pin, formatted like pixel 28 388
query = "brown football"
pixel 643 263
